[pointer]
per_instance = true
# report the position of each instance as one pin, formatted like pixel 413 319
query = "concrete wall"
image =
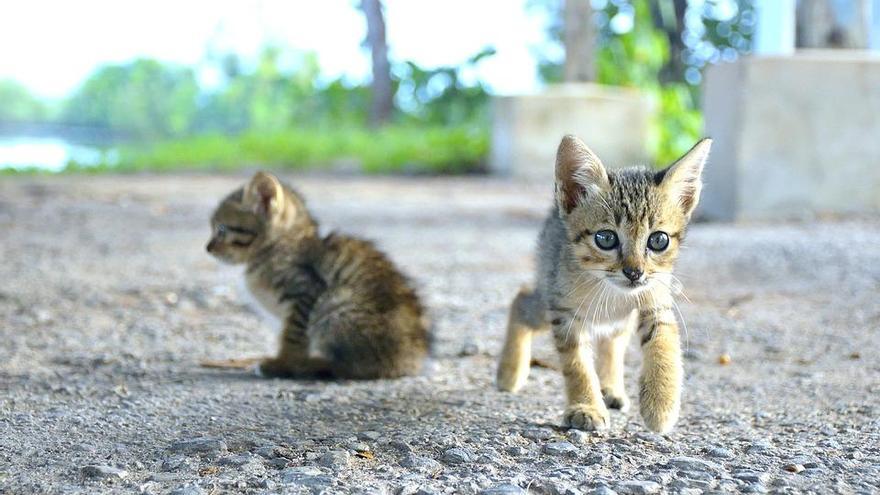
pixel 794 136
pixel 527 129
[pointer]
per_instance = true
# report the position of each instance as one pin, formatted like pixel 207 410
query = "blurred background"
pixel 396 86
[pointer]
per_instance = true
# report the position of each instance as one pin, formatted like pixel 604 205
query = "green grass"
pixel 393 149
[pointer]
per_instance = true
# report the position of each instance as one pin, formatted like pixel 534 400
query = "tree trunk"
pixel 579 39
pixel 833 24
pixel 669 16
pixel 382 92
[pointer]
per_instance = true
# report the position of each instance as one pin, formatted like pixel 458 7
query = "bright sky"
pixel 51 46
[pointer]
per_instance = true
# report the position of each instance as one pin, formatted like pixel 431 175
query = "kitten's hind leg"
pixel 527 316
pixel 292 360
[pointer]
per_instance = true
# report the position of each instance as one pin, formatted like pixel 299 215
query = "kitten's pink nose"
pixel 631 273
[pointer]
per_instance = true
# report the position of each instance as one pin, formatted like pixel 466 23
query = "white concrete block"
pixel 793 136
pixel 527 129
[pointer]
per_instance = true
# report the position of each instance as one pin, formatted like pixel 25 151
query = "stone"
pixel 503 489
pixel 637 487
pixel 719 452
pixel 578 437
pixel 550 486
pixel 694 464
pixel 335 459
pixel 794 468
pixel 421 464
pixel 369 436
pixel 358 447
pixel 189 489
pixel 560 448
pixel 759 446
pixel 400 446
pixel 199 446
pixel 292 474
pixel 662 477
pixel 754 488
pixel 469 349
pixel 650 437
pixel 602 490
pixel 795 136
pixel 537 433
pixel 527 129
pixel 457 456
pixel 751 476
pixel 104 472
pixel 237 460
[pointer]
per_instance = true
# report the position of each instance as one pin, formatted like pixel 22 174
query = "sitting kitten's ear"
pixel 578 172
pixel 264 194
pixel 682 179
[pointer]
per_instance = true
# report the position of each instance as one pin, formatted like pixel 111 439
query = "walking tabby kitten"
pixel 347 311
pixel 605 259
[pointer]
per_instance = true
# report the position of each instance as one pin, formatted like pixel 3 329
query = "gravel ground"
pixel 108 303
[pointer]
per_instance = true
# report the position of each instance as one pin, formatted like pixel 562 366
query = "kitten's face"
pixel 250 216
pixel 236 230
pixel 625 226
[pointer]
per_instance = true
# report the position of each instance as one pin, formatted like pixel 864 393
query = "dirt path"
pixel 108 303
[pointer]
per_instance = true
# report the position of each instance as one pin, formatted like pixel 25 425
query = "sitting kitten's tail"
pixel 527 316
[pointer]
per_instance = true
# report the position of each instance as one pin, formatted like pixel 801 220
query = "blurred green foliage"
pixel 712 31
pixel 635 58
pixel 396 148
pixel 282 112
pixel 143 99
pixel 17 105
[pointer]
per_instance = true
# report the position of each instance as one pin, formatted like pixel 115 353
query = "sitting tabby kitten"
pixel 605 258
pixel 347 311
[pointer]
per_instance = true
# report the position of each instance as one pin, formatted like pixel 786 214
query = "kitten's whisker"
pixel 574 317
pixel 592 300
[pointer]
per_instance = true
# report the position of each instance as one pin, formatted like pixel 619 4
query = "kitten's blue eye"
pixel 606 239
pixel 221 230
pixel 658 241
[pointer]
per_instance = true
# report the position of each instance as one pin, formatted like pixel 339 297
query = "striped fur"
pixel 583 292
pixel 347 311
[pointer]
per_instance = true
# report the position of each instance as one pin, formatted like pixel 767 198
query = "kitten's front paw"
pixel 616 399
pixel 586 417
pixel 659 411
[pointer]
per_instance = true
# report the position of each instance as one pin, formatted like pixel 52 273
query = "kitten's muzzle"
pixel 633 274
pixel 212 246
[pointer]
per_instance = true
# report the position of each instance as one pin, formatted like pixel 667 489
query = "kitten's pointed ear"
pixel 264 194
pixel 578 172
pixel 682 179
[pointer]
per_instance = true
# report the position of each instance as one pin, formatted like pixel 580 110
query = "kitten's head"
pixel 625 226
pixel 253 215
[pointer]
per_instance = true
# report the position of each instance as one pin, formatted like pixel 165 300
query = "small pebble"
pixel 751 476
pixel 335 459
pixel 104 472
pixel 578 437
pixel 560 448
pixel 199 446
pixel 637 487
pixel 503 489
pixel 793 468
pixel 456 456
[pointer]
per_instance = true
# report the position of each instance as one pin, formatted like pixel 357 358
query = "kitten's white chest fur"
pixel 601 314
pixel 264 301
